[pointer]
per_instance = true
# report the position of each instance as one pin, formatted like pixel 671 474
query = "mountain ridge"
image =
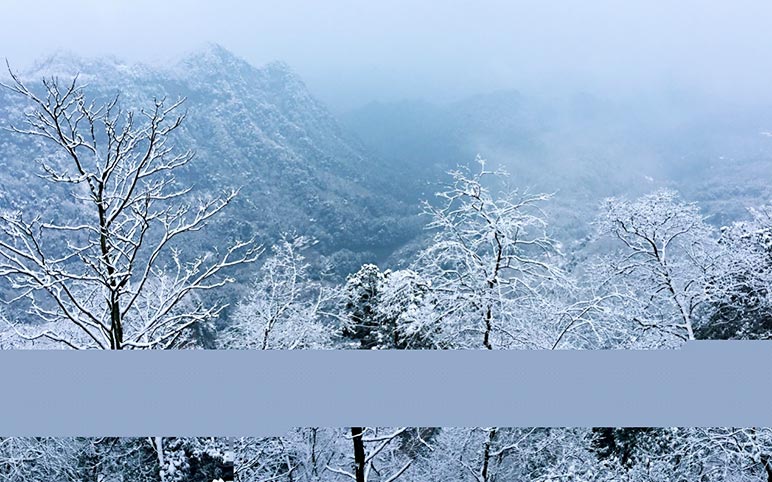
pixel 254 128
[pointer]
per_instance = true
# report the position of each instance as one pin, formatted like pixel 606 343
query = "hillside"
pixel 258 129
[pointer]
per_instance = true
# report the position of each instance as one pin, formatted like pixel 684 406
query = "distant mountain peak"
pixel 213 48
pixel 213 51
pixel 213 63
pixel 66 64
pixel 211 58
pixel 59 57
pixel 258 128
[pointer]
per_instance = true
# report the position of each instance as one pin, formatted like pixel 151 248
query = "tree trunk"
pixel 359 453
pixel 685 314
pixel 116 325
pixel 491 284
pixel 487 455
pixel 314 470
pixel 159 448
pixel 488 328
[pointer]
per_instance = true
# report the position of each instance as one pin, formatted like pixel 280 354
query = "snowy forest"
pixel 406 176
pixel 508 454
pixel 362 454
pixel 219 205
pixel 112 459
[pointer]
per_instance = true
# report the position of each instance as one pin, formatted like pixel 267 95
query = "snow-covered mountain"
pixel 254 128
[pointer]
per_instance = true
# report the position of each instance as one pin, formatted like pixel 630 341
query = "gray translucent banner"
pixel 242 393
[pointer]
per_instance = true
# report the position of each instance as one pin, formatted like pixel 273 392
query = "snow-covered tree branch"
pixel 666 257
pixel 116 276
pixel 491 262
pixel 285 308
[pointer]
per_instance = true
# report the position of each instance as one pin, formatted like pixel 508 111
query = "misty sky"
pixel 352 52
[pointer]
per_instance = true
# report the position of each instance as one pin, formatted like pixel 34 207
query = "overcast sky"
pixel 351 52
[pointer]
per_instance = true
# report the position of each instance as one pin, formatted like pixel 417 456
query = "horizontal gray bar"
pixel 260 393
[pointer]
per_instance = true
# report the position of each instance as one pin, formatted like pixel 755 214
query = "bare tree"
pixel 102 459
pixel 491 261
pixel 664 264
pixel 300 455
pixel 325 454
pixel 502 454
pixel 497 454
pixel 707 454
pixel 741 298
pixel 26 458
pixel 369 444
pixel 285 308
pixel 77 459
pixel 115 277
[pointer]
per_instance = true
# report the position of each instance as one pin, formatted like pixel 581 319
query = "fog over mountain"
pixel 352 53
pixel 354 182
pixel 584 146
pixel 257 129
pixel 504 219
pixel 398 175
